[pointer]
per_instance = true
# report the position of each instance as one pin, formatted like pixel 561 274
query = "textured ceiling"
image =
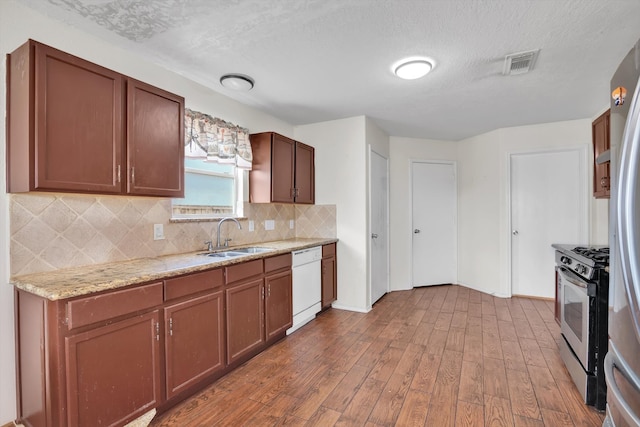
pixel 317 60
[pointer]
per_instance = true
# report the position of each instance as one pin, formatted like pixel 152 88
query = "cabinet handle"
pixel 269 293
pixel 171 326
pixel 118 174
pixel 603 182
pixel 157 331
pixel 262 292
pixel 293 192
pixel 133 175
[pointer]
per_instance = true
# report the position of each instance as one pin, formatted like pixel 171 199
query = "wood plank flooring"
pixel 436 356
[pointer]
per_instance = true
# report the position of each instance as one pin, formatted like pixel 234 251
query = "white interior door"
pixel 548 205
pixel 379 220
pixel 434 222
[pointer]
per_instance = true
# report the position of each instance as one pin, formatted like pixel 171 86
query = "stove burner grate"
pixel 596 254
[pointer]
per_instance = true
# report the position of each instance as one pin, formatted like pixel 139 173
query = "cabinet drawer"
pixel 243 271
pixel 277 262
pixel 329 250
pixel 193 283
pixel 85 311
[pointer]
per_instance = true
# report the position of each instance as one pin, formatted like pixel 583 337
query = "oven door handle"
pixel 572 278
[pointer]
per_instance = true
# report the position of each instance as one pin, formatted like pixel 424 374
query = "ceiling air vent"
pixel 520 63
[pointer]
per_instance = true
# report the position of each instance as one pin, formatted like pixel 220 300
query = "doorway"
pixel 434 223
pixel 549 199
pixel 379 224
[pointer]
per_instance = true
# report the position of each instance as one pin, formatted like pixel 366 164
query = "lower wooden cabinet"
pixel 278 303
pixel 113 372
pixel 329 275
pixel 245 314
pixel 107 358
pixel 194 341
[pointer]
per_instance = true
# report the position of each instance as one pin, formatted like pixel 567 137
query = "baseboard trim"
pixel 533 297
pixel 348 308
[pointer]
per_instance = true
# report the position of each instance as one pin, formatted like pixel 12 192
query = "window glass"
pixel 211 190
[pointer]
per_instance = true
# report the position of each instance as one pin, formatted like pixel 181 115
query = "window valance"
pixel 216 140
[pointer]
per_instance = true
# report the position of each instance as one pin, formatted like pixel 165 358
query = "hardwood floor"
pixel 437 356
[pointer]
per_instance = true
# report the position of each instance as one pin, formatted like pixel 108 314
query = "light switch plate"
pixel 251 225
pixel 269 224
pixel 158 232
pixel 291 224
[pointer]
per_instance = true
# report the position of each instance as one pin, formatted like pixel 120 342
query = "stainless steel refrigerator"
pixel 622 363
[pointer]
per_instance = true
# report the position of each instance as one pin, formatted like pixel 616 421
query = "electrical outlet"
pixel 158 232
pixel 251 225
pixel 269 224
pixel 291 224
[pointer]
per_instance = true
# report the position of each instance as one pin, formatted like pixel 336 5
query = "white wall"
pixel 402 152
pixel 17 24
pixel 340 158
pixel 483 211
pixel 7 348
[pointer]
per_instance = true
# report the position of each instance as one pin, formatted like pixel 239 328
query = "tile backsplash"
pixel 50 231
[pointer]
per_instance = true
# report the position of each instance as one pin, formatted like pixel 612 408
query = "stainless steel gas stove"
pixel 584 293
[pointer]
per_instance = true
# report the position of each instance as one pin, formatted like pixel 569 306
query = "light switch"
pixel 158 232
pixel 269 224
pixel 251 225
pixel 291 224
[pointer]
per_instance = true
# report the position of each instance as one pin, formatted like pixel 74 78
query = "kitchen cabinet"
pixel 244 298
pixel 601 143
pixel 75 355
pixel 109 357
pixel 329 275
pixel 74 126
pixel 119 364
pixel 279 298
pixel 283 170
pixel 194 330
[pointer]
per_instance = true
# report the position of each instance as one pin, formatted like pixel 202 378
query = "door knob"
pixel 416 231
pixel 374 236
pixel 514 232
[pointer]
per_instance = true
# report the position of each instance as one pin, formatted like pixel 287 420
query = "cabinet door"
pixel 329 288
pixel 194 341
pixel 113 372
pixel 155 141
pixel 282 169
pixel 305 174
pixel 245 314
pixel 601 176
pixel 278 307
pixel 78 119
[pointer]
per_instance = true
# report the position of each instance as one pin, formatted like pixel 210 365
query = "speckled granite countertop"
pixel 72 282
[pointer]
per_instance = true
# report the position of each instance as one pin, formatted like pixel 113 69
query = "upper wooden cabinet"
pixel 601 143
pixel 78 127
pixel 283 170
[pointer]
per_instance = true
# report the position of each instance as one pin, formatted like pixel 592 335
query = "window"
pixel 210 190
pixel 217 155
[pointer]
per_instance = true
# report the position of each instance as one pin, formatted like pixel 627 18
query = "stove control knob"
pixel 583 269
pixel 565 260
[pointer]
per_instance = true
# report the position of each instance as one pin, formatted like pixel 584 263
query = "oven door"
pixel 574 313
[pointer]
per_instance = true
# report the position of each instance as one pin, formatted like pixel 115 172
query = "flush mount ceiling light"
pixel 412 68
pixel 238 82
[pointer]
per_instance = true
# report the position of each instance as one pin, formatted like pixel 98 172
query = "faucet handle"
pixel 209 244
pixel 226 242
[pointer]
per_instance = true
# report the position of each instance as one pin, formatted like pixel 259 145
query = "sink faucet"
pixel 226 241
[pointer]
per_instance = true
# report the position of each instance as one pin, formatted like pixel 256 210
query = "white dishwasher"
pixel 306 286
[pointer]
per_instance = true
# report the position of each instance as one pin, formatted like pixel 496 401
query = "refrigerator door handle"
pixel 611 362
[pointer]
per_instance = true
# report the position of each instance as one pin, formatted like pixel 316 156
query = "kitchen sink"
pixel 233 253
pixel 252 250
pixel 223 254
